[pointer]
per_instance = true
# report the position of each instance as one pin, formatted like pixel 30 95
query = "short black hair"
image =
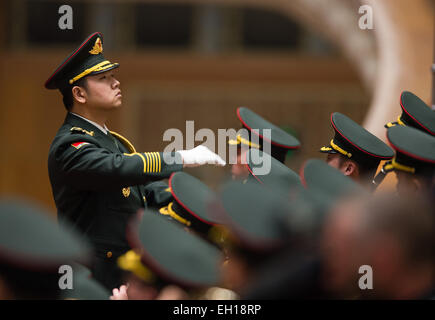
pixel 367 170
pixel 68 99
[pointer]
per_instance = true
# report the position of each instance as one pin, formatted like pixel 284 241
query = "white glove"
pixel 199 156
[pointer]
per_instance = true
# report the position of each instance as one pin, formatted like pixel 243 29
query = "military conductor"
pixel 98 178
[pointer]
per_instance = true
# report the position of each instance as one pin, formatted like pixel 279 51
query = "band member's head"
pixel 86 78
pixel 261 134
pixel 355 151
pixel 414 162
pixel 190 207
pixel 36 253
pixel 415 113
pixel 271 173
pixel 164 254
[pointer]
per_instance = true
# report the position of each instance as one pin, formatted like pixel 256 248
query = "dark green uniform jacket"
pixel 98 183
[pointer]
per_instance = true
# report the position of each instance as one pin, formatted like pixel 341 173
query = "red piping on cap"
pixel 184 206
pixel 60 67
pixel 258 134
pixel 407 153
pixel 153 264
pixel 403 108
pixel 373 155
pixel 302 174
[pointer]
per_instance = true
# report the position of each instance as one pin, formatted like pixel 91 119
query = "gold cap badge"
pixel 126 192
pixel 98 47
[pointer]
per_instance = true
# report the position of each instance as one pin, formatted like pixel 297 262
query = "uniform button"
pixel 109 254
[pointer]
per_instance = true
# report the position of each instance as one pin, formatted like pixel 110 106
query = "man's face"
pixel 103 91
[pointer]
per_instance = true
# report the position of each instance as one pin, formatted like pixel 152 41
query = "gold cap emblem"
pixel 126 192
pixel 98 47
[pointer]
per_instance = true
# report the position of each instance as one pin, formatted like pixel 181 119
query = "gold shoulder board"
pixel 80 130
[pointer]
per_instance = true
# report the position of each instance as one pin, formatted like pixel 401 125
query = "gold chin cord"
pixel 388 167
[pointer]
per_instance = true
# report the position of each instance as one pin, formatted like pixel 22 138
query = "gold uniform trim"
pixel 91 133
pixel 398 166
pixel 124 140
pixel 154 161
pixel 148 161
pixel 141 156
pixel 244 141
pixel 342 151
pixel 160 162
pixel 168 211
pixel 398 122
pixel 98 67
pixel 151 161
